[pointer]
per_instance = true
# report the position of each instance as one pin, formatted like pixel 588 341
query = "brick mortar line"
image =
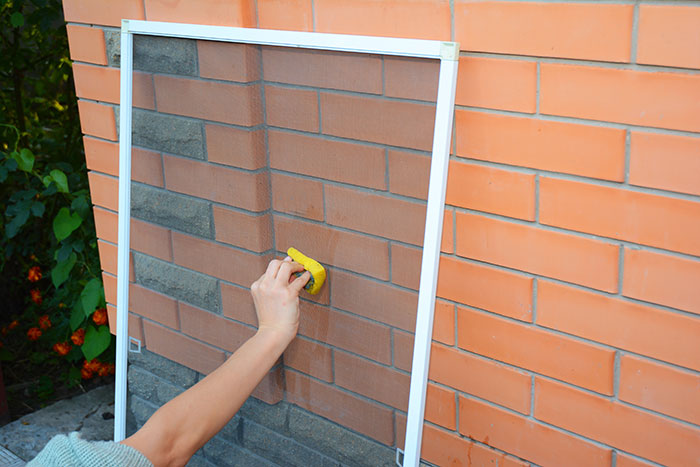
pixel 215 164
pixel 634 34
pixel 628 157
pixel 537 90
pixel 582 62
pixel 579 121
pixel 622 186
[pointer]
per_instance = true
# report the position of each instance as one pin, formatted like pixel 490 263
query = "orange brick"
pixel 334 247
pixel 229 186
pixel 342 162
pixel 586 365
pixel 296 15
pixel 217 260
pixel 329 402
pixel 346 332
pixel 298 196
pixel 237 303
pixel 624 460
pixel 481 377
pixel 406 261
pixel 105 224
pixel 443 331
pixel 567 30
pixel 154 306
pixel 104 12
pixel 151 239
pixel 403 350
pixel 135 329
pixel 661 388
pixel 311 358
pixel 97 120
pixel 668 35
pixel 220 102
pixel 146 167
pixel 213 329
pixel 649 331
pixel 182 349
pixel 102 84
pixel 441 406
pixel 668 223
pixel 656 99
pixel 482 287
pixel 409 174
pixel 377 382
pixel 667 162
pixel 526 438
pixel 419 19
pixel 323 69
pixel 655 438
pixel 375 214
pixel 271 389
pixel 108 256
pixel 86 44
pixel 497 84
pixel 104 190
pixel 110 285
pixel 574 259
pixel 395 123
pixel 590 151
pixel 236 147
pixel 291 108
pixel 411 78
pixel 228 61
pixel 374 300
pixel 240 229
pixel 101 155
pixel 493 190
pixel 662 279
pixel 210 12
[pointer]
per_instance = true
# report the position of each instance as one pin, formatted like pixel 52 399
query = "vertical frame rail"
pixel 442 137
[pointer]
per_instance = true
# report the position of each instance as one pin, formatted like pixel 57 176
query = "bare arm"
pixel 179 428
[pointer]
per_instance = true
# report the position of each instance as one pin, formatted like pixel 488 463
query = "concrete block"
pixel 142 410
pixel 273 417
pixel 172 210
pixel 164 368
pixel 177 282
pixel 223 453
pixel 167 133
pixel 337 442
pixel 155 54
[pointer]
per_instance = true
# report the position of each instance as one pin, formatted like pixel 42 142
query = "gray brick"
pixel 198 460
pixel 270 416
pixel 223 453
pixel 142 410
pixel 155 54
pixel 166 391
pixel 280 449
pixel 231 430
pixel 167 369
pixel 167 133
pixel 183 284
pixel 337 442
pixel 172 210
pixel 141 383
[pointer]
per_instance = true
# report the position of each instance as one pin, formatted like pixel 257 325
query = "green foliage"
pixel 53 314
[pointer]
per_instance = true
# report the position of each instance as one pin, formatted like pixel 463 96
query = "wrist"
pixel 276 336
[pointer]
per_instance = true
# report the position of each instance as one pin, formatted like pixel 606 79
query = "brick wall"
pixel 567 323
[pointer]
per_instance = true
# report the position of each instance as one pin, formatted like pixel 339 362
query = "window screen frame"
pixel 446 52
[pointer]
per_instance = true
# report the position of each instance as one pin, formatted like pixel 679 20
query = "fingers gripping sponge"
pixel 318 274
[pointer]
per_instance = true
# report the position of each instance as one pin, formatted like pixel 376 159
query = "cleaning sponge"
pixel 318 274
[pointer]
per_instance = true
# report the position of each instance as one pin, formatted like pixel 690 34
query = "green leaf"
pixel 65 223
pixel 12 227
pixel 38 208
pixel 3 173
pixel 61 180
pixel 81 206
pixel 76 318
pixel 47 180
pixel 25 160
pixel 17 19
pixel 63 252
pixel 91 296
pixel 96 341
pixel 60 272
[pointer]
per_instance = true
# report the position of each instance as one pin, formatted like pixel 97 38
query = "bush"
pixel 54 329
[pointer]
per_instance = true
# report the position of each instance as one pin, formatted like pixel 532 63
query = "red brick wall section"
pixel 568 318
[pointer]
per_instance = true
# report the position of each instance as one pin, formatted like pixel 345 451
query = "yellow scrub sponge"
pixel 318 274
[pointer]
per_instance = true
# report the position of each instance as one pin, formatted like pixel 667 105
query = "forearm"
pixel 188 421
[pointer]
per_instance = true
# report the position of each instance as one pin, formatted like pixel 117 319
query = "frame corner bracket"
pixel 449 51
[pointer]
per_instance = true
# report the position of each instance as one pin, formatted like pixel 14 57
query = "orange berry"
pixel 62 348
pixel 36 296
pixel 34 274
pixel 78 337
pixel 100 316
pixel 33 334
pixel 44 322
pixel 92 366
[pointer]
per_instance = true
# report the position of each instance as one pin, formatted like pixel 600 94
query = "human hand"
pixel 276 298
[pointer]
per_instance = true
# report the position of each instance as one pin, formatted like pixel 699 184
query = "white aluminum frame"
pixel 446 52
